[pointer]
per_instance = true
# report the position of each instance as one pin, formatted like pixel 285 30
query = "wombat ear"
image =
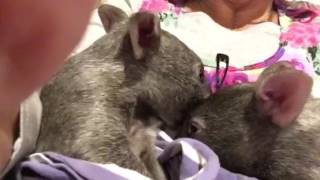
pixel 283 94
pixel 110 15
pixel 144 31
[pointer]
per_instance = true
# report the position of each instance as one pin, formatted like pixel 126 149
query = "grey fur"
pixel 248 142
pixel 91 106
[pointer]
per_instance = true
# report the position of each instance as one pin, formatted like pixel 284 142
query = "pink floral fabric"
pixel 154 6
pixel 159 6
pixel 302 35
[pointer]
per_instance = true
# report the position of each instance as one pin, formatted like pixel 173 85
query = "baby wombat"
pixel 107 93
pixel 269 129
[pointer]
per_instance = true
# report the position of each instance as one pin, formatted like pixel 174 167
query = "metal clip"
pixel 221 58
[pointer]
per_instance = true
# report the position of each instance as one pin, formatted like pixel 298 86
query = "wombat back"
pixel 269 129
pixel 135 73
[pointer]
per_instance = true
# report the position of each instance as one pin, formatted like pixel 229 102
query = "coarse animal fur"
pixel 97 106
pixel 269 129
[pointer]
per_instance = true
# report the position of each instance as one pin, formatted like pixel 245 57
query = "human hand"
pixel 36 36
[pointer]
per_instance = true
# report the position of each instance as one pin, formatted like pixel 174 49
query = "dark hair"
pixel 178 2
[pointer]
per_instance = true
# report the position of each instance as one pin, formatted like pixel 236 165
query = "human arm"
pixel 35 39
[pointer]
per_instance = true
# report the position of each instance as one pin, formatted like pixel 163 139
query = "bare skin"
pixel 236 14
pixel 33 35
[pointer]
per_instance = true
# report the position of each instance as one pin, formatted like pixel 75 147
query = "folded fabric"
pixel 189 159
pixel 183 159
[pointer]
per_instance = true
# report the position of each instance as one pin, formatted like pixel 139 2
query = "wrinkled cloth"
pixel 183 159
pixel 52 166
pixel 187 159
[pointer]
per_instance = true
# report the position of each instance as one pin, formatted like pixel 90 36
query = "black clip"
pixel 221 58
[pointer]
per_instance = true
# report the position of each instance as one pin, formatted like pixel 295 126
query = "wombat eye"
pixel 193 130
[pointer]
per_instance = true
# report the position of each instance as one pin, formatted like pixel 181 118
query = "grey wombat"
pixel 269 129
pixel 95 107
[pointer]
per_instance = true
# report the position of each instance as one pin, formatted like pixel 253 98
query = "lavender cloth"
pixel 185 159
pixel 189 159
